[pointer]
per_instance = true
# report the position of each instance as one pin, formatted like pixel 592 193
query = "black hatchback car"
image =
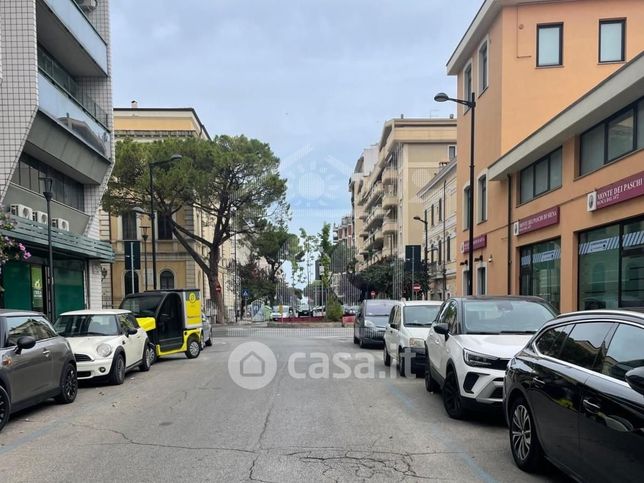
pixel 35 363
pixel 575 394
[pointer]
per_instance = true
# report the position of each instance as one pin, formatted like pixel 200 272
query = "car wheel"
pixel 386 357
pixel 430 384
pixel 452 399
pixel 355 339
pixel 145 360
pixel 117 373
pixel 362 344
pixel 5 407
pixel 402 361
pixel 525 445
pixel 209 343
pixel 68 385
pixel 152 353
pixel 194 348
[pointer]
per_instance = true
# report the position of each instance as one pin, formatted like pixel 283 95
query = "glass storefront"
pixel 541 270
pixel 611 266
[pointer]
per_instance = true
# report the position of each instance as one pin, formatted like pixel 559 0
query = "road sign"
pixel 417 287
pixel 245 293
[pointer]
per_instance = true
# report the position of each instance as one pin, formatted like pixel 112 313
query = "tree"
pixel 234 181
pixel 9 248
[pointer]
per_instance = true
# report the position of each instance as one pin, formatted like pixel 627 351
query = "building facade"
pixel 55 127
pixel 343 232
pixel 556 86
pixel 439 202
pixel 175 266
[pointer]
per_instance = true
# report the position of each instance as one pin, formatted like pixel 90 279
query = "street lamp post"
pixel 145 235
pixel 442 97
pixel 424 222
pixel 49 194
pixel 174 157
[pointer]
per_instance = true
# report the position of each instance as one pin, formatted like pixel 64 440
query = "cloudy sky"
pixel 314 78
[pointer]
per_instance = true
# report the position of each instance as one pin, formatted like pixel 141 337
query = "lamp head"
pixel 441 97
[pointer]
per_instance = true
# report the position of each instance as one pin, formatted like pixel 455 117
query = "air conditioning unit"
pixel 40 217
pixel 515 228
pixel 87 5
pixel 22 211
pixel 60 223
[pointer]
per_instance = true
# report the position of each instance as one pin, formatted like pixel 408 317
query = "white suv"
pixel 471 344
pixel 406 333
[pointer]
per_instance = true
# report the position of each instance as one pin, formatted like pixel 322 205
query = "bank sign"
pixel 537 221
pixel 618 192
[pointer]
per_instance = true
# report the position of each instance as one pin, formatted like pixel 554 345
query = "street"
pixel 188 420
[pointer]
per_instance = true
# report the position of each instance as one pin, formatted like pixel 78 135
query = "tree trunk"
pixel 213 282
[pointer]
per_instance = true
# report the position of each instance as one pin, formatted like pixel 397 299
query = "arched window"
pixel 128 282
pixel 166 280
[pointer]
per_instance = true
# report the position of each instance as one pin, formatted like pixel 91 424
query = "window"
pixel 625 352
pixel 166 280
pixel 451 152
pixel 448 247
pixel 432 215
pixel 481 279
pixel 65 189
pixel 466 207
pixel 584 344
pixel 440 251
pixel 440 210
pixel 483 68
pixel 482 198
pixel 35 327
pixel 612 40
pixel 125 323
pixel 467 84
pixel 541 176
pixel 128 222
pixel 164 227
pixel 541 271
pixel 550 343
pixel 611 139
pixel 131 285
pixel 466 282
pixel 549 45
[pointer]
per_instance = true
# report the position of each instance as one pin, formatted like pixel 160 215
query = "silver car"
pixel 35 363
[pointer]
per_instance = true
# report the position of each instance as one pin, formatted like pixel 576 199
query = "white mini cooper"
pixel 106 343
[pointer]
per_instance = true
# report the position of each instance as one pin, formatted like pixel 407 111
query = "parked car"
pixel 281 312
pixel 371 320
pixel 106 343
pixel 37 364
pixel 471 343
pixel 575 395
pixel 406 334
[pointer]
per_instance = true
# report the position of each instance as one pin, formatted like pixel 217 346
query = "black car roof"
pixel 499 297
pixel 625 315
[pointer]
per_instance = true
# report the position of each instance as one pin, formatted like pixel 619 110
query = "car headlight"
pixel 368 323
pixel 478 360
pixel 417 343
pixel 104 350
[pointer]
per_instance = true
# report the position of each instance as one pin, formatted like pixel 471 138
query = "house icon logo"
pixel 252 365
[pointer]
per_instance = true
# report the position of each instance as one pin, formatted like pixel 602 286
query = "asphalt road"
pixel 188 420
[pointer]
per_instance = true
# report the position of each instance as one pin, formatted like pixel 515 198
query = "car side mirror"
pixel 25 342
pixel 132 331
pixel 441 329
pixel 635 379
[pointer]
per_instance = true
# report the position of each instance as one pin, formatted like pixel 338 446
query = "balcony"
pixel 68 113
pixel 389 199
pixel 390 226
pixel 69 35
pixel 389 176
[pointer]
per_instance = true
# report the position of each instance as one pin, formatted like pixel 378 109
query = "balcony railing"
pixel 389 175
pixel 77 23
pixel 66 82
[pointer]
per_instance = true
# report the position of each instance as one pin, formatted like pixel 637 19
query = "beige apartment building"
pixel 175 267
pixel 558 151
pixel 439 215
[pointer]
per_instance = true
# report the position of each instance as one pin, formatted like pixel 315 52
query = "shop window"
pixel 599 268
pixel 612 40
pixel 166 280
pixel 541 271
pixel 549 45
pixel 632 265
pixel 541 176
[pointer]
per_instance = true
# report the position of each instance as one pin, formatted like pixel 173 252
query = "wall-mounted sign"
pixel 479 242
pixel 537 221
pixel 623 190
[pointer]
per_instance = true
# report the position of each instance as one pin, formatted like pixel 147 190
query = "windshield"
pixel 86 325
pixel 285 308
pixel 504 316
pixel 420 314
pixel 142 306
pixel 378 308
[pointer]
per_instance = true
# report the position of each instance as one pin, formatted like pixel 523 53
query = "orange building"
pixel 558 151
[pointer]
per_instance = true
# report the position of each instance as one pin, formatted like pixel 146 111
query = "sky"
pixel 316 79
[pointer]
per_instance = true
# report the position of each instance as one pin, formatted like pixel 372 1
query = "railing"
pixel 66 82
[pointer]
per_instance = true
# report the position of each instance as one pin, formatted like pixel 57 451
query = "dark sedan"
pixel 575 395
